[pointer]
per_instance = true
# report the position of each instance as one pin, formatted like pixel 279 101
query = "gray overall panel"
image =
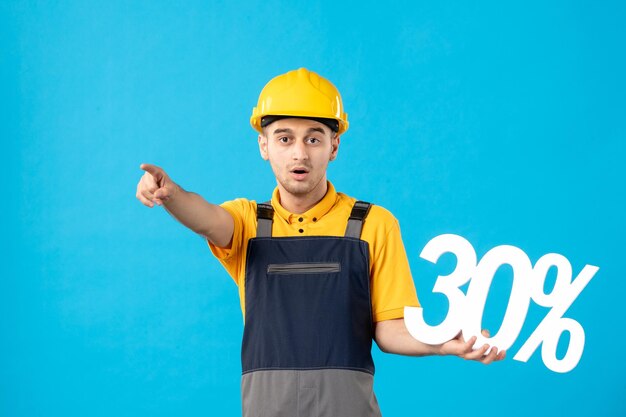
pixel 309 393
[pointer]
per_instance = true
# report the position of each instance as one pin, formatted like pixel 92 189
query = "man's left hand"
pixel 464 349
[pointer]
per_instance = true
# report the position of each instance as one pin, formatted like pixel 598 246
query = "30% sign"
pixel 466 310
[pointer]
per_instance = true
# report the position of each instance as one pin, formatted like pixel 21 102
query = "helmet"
pixel 300 93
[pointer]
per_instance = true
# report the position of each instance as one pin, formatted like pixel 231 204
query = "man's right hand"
pixel 155 186
pixel 189 208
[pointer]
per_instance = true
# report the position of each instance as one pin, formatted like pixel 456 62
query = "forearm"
pixel 204 218
pixel 392 336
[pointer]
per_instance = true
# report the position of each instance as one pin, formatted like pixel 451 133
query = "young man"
pixel 320 275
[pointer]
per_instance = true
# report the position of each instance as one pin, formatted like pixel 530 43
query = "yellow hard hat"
pixel 300 93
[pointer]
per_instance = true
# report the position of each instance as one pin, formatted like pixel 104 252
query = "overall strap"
pixel 264 217
pixel 357 217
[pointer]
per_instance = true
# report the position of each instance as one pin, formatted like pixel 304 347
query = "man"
pixel 320 275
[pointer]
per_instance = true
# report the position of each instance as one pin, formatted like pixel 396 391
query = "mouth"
pixel 299 173
pixel 300 170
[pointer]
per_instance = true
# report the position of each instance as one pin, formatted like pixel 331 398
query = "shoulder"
pixel 378 218
pixel 379 214
pixel 239 204
pixel 240 208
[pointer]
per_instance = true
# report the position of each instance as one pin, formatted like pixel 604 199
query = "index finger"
pixel 477 355
pixel 153 170
pixel 490 357
pixel 467 346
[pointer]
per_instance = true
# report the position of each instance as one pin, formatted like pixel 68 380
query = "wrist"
pixel 176 190
pixel 439 350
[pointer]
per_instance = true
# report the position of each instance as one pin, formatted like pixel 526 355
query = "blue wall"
pixel 502 123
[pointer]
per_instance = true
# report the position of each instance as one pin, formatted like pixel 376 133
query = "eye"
pixel 314 141
pixel 283 139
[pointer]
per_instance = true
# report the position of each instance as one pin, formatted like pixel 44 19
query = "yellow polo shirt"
pixel 391 283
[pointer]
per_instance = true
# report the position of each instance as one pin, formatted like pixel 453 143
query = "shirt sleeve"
pixel 232 258
pixel 391 281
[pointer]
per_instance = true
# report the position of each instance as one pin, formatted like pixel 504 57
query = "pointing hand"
pixel 155 186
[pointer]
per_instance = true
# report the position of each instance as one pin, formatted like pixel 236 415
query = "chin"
pixel 299 188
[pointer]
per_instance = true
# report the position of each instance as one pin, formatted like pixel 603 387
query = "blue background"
pixel 502 123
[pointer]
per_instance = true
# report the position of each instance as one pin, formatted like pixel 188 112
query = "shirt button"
pixel 314 219
pixel 300 219
pixel 301 231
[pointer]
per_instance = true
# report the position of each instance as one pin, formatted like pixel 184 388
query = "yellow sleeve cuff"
pixel 396 313
pixel 223 254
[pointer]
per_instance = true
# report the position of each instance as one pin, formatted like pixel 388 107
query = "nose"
pixel 299 151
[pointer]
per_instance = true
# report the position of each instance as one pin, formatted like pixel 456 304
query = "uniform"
pixel 310 293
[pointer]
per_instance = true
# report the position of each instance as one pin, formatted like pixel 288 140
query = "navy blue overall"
pixel 308 332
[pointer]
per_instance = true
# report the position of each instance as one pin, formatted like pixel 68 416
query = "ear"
pixel 263 147
pixel 335 147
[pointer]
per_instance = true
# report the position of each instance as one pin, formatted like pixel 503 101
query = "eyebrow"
pixel 316 129
pixel 283 131
pixel 311 129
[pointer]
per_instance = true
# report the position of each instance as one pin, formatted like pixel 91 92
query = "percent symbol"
pixel 465 311
pixel 553 325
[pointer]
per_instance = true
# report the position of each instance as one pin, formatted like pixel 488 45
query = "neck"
pixel 300 203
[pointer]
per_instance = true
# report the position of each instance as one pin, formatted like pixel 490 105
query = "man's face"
pixel 299 151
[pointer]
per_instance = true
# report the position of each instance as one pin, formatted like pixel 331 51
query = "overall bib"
pixel 308 331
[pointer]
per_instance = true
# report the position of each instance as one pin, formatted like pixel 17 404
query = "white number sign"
pixel 465 311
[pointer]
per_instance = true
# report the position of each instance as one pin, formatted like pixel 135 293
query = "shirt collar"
pixel 314 213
